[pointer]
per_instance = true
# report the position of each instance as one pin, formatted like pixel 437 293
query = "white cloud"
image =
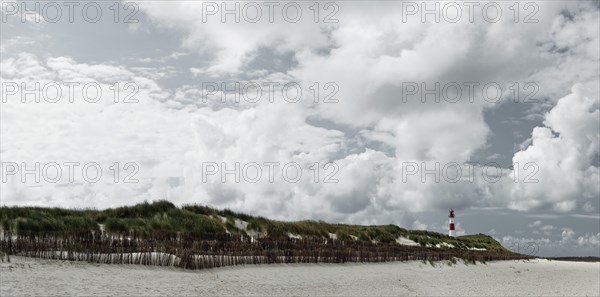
pixel 589 240
pixel 547 228
pixel 368 54
pixel 233 44
pixel 535 224
pixel 78 131
pixel 418 225
pixel 562 152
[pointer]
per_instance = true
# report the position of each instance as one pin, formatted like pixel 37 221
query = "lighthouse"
pixel 451 223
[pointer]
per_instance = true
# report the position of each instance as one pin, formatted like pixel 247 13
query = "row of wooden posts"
pixel 217 251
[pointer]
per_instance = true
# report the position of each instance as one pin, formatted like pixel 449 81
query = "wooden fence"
pixel 217 250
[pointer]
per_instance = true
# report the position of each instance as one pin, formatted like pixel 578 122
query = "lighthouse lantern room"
pixel 451 223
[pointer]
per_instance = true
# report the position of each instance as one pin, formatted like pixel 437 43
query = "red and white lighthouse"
pixel 451 223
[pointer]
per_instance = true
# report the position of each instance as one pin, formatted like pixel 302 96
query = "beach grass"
pixel 148 218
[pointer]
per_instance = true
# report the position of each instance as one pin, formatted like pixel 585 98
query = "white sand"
pixel 51 277
pixel 405 241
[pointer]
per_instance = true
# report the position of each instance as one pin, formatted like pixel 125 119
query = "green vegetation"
pixel 482 240
pixel 144 218
pixel 469 260
pixel 576 259
pixel 162 216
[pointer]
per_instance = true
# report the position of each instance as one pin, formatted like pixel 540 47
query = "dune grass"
pixel 148 218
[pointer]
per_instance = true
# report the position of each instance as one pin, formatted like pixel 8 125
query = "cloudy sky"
pixel 390 115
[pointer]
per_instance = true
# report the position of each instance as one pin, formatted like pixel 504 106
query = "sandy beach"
pixel 27 276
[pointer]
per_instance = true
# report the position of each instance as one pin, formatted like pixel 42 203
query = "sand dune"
pixel 508 278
